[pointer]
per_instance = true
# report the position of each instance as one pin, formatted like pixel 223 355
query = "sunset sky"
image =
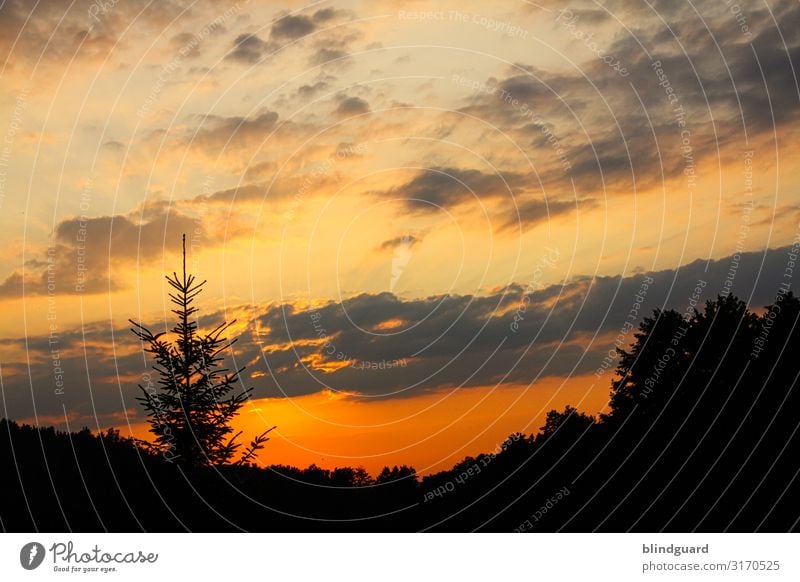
pixel 431 221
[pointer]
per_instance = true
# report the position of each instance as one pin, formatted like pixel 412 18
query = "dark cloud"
pixel 249 49
pixel 327 55
pixel 351 106
pixel 326 14
pixel 307 91
pixel 292 27
pixel 611 133
pixel 454 340
pixel 433 343
pixel 88 255
pixel 447 187
pixel 114 146
pixel 534 212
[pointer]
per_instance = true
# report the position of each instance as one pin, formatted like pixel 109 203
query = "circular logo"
pixel 31 555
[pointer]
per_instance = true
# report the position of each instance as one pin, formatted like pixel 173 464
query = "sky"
pixel 432 222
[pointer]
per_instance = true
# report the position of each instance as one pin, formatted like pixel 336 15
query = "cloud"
pixel 114 146
pixel 404 241
pixel 217 133
pixel 454 340
pixel 534 212
pixel 446 187
pixel 327 14
pixel 249 49
pixel 307 91
pixel 351 106
pixel 327 55
pixel 187 45
pixel 292 27
pixel 381 346
pixel 583 121
pixel 62 30
pixel 296 26
pixel 243 192
pixel 88 255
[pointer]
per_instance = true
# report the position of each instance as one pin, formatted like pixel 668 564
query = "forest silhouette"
pixel 700 435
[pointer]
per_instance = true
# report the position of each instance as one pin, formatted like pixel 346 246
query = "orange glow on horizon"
pixel 431 432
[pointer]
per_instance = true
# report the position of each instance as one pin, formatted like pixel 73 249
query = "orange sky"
pixel 430 433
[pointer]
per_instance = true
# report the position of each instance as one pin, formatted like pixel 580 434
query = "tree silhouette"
pixel 191 412
pixel 396 473
pixel 569 421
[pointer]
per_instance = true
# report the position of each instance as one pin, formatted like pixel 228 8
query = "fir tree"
pixel 196 397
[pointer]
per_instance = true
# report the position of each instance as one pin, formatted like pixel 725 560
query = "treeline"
pixel 700 434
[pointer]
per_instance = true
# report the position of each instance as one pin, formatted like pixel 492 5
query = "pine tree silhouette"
pixel 197 398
